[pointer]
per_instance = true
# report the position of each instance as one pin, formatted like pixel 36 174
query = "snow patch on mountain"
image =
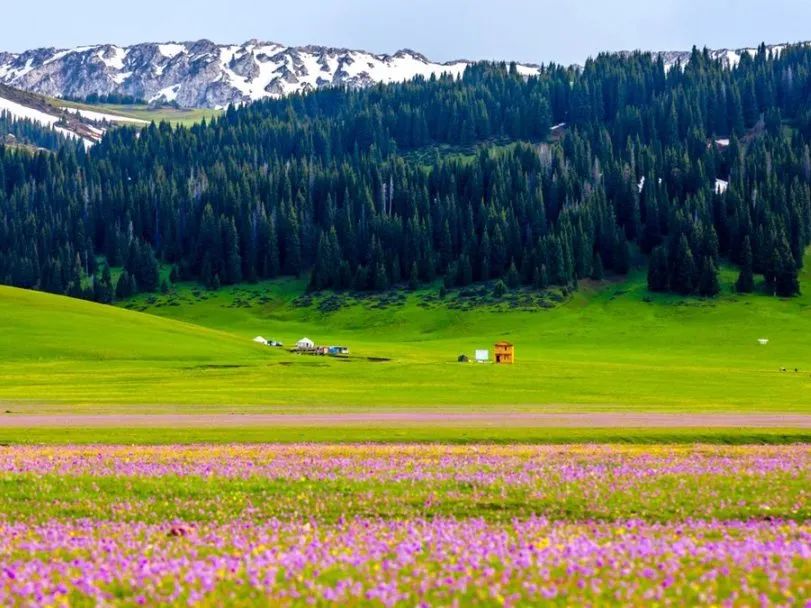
pixel 170 51
pixel 21 112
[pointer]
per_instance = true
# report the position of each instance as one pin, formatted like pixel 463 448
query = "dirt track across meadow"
pixel 406 419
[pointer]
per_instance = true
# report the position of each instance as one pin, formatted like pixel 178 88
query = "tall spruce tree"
pixel 746 279
pixel 658 272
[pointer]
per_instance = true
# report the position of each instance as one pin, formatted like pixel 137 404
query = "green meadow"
pixel 175 116
pixel 609 346
pixel 399 434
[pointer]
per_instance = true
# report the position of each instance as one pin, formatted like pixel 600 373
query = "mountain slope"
pixel 205 74
pixel 73 123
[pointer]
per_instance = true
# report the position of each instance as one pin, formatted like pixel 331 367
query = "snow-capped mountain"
pixel 205 74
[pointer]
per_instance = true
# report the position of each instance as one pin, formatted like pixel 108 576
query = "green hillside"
pixel 57 349
pixel 610 345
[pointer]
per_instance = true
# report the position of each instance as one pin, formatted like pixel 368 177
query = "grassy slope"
pixel 145 112
pixel 57 348
pixel 606 348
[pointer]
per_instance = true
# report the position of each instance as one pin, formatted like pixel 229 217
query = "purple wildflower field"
pixel 405 525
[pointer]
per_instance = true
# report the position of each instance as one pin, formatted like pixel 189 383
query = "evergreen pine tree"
pixel 512 278
pixel 786 282
pixel 123 288
pixel 683 272
pixel 746 279
pixel 414 277
pixel 597 267
pixel 658 279
pixel 708 285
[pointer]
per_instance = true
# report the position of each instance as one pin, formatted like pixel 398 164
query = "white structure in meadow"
pixel 260 340
pixel 482 356
pixel 763 341
pixel 305 344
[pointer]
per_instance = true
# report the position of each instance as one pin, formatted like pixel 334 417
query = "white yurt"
pixel 305 344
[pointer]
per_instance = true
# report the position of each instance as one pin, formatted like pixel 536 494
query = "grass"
pixel 608 346
pixel 416 434
pixel 575 483
pixel 195 498
pixel 175 116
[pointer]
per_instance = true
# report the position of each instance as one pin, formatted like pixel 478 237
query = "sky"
pixel 539 31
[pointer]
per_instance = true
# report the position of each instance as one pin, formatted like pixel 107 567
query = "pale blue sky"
pixel 535 31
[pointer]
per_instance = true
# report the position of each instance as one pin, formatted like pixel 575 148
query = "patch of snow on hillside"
pixel 267 74
pixel 20 111
pixel 167 94
pixel 227 54
pixel 527 70
pixel 17 74
pixel 58 55
pixel 116 62
pixel 121 77
pixel 170 51
pixel 731 58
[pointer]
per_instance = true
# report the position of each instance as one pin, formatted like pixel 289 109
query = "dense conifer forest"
pixel 579 172
pixel 15 131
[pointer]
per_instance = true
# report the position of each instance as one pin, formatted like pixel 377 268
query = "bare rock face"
pixel 205 74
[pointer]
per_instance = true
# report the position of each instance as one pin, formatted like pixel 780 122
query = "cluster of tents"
pixel 263 341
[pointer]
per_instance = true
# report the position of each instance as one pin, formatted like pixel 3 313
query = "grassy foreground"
pixel 404 525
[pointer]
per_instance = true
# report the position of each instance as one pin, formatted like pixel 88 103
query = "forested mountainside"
pixel 367 188
pixel 17 131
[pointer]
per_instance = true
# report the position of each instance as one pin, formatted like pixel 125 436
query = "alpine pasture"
pixel 610 346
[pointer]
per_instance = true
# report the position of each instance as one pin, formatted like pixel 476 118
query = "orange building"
pixel 504 352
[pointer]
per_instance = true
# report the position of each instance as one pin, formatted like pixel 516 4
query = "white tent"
pixel 482 356
pixel 305 344
pixel 260 340
pixel 763 341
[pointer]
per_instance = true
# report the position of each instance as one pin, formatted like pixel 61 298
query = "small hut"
pixel 504 353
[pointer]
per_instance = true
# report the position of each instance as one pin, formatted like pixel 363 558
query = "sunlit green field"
pixel 611 346
pixel 177 116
